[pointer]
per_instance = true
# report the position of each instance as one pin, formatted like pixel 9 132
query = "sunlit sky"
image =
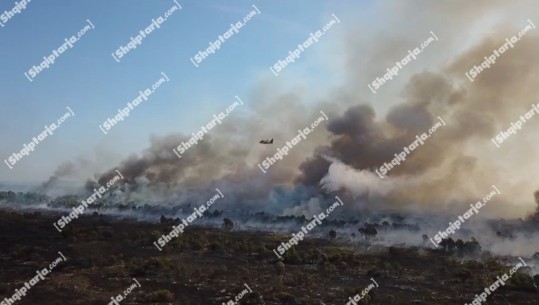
pixel 88 80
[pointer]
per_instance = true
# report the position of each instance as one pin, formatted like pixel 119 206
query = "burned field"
pixel 212 266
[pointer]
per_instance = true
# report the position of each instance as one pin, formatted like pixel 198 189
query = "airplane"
pixel 266 141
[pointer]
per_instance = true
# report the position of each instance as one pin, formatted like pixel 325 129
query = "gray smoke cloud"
pixel 455 167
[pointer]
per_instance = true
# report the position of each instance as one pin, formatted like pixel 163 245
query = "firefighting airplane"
pixel 266 141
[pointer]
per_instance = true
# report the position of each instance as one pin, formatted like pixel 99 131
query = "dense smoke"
pixel 456 166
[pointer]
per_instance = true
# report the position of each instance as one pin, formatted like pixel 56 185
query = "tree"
pixel 536 280
pixel 368 231
pixel 471 247
pixel 280 267
pixel 459 244
pixel 448 244
pixel 228 224
pixel 332 234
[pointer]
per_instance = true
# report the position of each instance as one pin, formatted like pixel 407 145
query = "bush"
pixel 374 273
pixel 464 273
pixel 471 247
pixel 141 267
pixel 197 244
pixel 3 289
pixel 280 267
pixel 368 231
pixel 292 257
pixel 286 298
pixel 107 234
pixel 327 266
pixel 521 281
pixel 332 234
pixel 228 224
pixel 159 296
pixel 217 247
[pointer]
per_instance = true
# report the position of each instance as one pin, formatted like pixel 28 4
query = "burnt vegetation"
pixel 210 266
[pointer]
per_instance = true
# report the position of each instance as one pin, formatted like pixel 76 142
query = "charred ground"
pixel 211 266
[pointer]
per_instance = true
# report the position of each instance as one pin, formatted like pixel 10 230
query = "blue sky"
pixel 88 80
